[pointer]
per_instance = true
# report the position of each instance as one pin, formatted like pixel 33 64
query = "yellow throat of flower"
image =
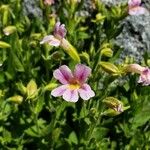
pixel 73 86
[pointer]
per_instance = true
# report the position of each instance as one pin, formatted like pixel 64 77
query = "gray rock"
pixel 135 37
pixel 147 4
pixel 32 9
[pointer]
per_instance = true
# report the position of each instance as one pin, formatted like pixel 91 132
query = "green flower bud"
pixel 5 12
pixel 31 89
pixel 115 106
pixel 106 52
pixel 114 103
pixel 9 30
pixel 16 99
pixel 110 68
pixel 4 45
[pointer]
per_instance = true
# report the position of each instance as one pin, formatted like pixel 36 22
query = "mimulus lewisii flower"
pixel 135 8
pixel 57 37
pixel 143 71
pixel 73 83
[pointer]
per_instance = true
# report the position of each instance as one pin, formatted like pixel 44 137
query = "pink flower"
pixel 49 2
pixel 135 8
pixel 59 34
pixel 145 77
pixel 143 71
pixel 73 83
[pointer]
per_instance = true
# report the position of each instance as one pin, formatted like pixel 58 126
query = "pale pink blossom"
pixel 49 2
pixel 143 71
pixel 145 77
pixel 57 37
pixel 73 83
pixel 134 7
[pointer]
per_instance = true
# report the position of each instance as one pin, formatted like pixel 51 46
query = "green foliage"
pixel 30 118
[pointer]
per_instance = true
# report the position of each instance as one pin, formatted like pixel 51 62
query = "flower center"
pixel 74 86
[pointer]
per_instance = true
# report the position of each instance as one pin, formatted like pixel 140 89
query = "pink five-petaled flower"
pixel 48 2
pixel 134 7
pixel 73 83
pixel 57 37
pixel 145 77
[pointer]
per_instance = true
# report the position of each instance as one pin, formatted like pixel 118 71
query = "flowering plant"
pixel 66 83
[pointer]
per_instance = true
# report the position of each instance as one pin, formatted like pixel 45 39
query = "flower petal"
pixel 133 3
pixel 59 30
pixel 46 39
pixel 59 91
pixel 82 72
pixel 71 95
pixel 137 10
pixel 63 74
pixel 86 92
pixel 145 77
pixel 51 40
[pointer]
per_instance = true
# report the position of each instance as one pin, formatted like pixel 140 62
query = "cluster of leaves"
pixel 30 118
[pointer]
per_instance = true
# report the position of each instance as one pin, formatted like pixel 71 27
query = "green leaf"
pixel 73 138
pixel 142 114
pixel 17 63
pixel 39 104
pixel 99 133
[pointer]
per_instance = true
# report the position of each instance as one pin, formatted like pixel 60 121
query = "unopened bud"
pixel 114 103
pixel 16 99
pixel 106 52
pixel 31 89
pixel 110 68
pixel 9 30
pixel 4 45
pixel 5 12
